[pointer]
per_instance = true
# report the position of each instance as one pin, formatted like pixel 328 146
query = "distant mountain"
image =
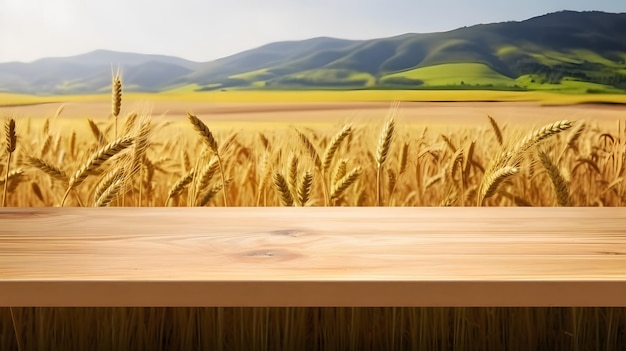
pixel 563 50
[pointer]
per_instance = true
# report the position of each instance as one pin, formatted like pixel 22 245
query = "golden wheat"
pixel 96 159
pixel 283 190
pixel 560 185
pixel 11 140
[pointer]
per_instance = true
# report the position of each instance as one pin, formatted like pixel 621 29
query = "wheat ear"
pixel 571 140
pixel 37 191
pixel 283 189
pixel 207 173
pixel 308 145
pixel 53 171
pixel 97 133
pixel 110 193
pixel 455 162
pixel 494 180
pixel 11 138
pixel 510 160
pixel 106 183
pixel 331 150
pixel 496 130
pixel 341 170
pixel 560 185
pixel 292 175
pixel 265 173
pixel 304 190
pixel 404 156
pixel 95 160
pixel 342 185
pixel 209 194
pixel 539 135
pixel 129 122
pixel 180 184
pixel 209 140
pixel 382 151
pixel 117 99
pixel 392 179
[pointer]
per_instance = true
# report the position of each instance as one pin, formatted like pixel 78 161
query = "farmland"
pixel 271 153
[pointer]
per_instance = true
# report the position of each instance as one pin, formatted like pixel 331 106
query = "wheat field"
pixel 136 160
pixel 133 159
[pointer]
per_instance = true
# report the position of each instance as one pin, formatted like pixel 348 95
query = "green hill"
pixel 574 51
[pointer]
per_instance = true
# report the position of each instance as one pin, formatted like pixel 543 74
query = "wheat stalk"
pixel 95 160
pixel 117 99
pixel 560 185
pixel 209 140
pixel 11 139
pixel 507 162
pixel 384 144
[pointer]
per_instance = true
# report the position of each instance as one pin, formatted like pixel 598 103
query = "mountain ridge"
pixel 560 50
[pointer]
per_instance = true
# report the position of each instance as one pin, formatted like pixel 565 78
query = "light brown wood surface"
pixel 313 257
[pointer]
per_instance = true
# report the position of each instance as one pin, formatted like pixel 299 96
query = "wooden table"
pixel 313 257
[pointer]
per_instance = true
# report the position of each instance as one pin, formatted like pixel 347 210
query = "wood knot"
pixel 269 254
pixel 287 232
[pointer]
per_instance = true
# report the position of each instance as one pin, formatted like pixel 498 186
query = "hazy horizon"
pixel 200 31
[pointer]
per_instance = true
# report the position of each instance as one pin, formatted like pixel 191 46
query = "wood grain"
pixel 313 257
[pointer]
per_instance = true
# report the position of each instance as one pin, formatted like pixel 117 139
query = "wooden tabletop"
pixel 313 256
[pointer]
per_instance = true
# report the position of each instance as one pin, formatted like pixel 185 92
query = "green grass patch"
pixel 455 74
pixel 328 77
pixel 507 50
pixel 259 74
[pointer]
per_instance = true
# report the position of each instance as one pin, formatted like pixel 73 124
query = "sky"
pixel 204 30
